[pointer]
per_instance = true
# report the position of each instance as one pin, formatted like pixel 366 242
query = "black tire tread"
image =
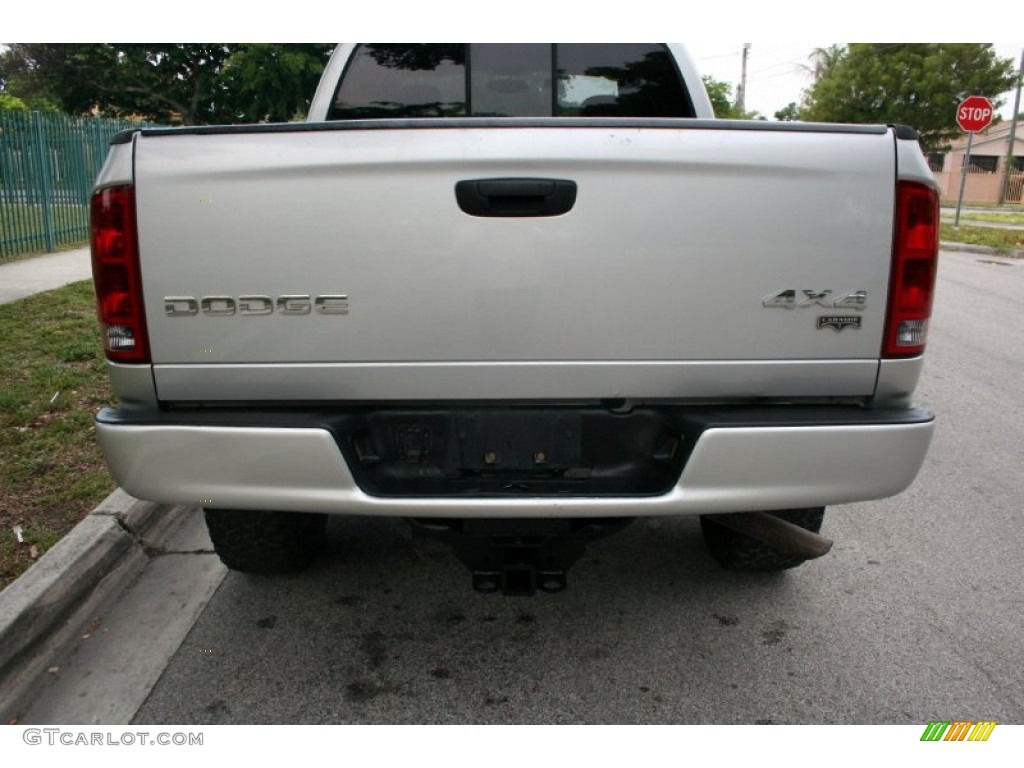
pixel 256 541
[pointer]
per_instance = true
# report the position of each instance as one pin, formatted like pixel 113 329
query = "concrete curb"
pixel 45 608
pixel 965 248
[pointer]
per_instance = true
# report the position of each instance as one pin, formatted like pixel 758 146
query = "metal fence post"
pixel 100 148
pixel 42 157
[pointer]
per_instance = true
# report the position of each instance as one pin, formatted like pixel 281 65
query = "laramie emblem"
pixel 838 322
pixel 225 306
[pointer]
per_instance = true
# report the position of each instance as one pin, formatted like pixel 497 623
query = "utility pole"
pixel 1004 190
pixel 741 92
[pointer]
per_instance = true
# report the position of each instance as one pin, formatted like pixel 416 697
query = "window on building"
pixel 936 161
pixel 983 163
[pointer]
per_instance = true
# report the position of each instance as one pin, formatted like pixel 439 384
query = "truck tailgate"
pixel 654 283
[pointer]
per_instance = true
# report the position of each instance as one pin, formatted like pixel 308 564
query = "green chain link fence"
pixel 48 162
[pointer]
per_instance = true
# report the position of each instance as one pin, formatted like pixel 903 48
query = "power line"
pixel 776 66
pixel 717 56
pixel 793 71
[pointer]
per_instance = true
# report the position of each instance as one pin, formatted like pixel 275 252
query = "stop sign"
pixel 974 114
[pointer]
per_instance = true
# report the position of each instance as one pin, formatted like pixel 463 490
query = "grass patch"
pixel 1002 240
pixel 996 218
pixel 950 203
pixel 52 380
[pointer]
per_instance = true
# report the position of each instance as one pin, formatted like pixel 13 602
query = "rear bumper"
pixel 737 460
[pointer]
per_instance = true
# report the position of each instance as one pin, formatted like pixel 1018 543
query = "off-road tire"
pixel 736 552
pixel 265 542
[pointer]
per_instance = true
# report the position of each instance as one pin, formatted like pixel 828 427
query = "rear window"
pixel 388 80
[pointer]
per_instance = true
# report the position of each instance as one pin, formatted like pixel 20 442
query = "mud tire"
pixel 265 542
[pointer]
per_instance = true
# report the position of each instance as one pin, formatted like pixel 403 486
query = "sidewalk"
pixel 43 273
pixel 48 608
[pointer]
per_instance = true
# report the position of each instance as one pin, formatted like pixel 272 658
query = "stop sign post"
pixel 973 114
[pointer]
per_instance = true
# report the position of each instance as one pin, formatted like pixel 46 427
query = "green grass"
pixel 52 380
pixel 1003 240
pixel 1012 207
pixel 997 218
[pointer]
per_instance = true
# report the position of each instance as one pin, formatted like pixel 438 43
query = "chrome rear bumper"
pixel 739 461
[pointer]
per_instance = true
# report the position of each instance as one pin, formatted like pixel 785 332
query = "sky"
pixel 774 74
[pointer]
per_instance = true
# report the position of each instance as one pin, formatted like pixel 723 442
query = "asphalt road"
pixel 916 615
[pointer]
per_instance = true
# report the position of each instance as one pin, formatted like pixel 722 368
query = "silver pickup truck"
pixel 518 295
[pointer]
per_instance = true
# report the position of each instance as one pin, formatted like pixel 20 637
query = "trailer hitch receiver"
pixel 518 557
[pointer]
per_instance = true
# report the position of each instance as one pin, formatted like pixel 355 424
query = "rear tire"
pixel 265 542
pixel 736 552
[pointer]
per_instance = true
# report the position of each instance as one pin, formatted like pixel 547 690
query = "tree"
pixel 721 96
pixel 722 102
pixel 18 81
pixel 11 102
pixel 274 82
pixel 916 84
pixel 188 83
pixel 788 113
pixel 824 60
pixel 167 83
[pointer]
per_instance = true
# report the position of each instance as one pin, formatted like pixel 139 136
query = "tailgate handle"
pixel 516 197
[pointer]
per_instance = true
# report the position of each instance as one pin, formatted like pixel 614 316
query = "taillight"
pixel 914 262
pixel 115 271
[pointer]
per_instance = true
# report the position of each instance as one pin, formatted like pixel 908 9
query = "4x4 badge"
pixel 788 299
pixel 838 322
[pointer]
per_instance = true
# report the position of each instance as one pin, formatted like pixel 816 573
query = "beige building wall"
pixel 980 187
pixel 983 186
